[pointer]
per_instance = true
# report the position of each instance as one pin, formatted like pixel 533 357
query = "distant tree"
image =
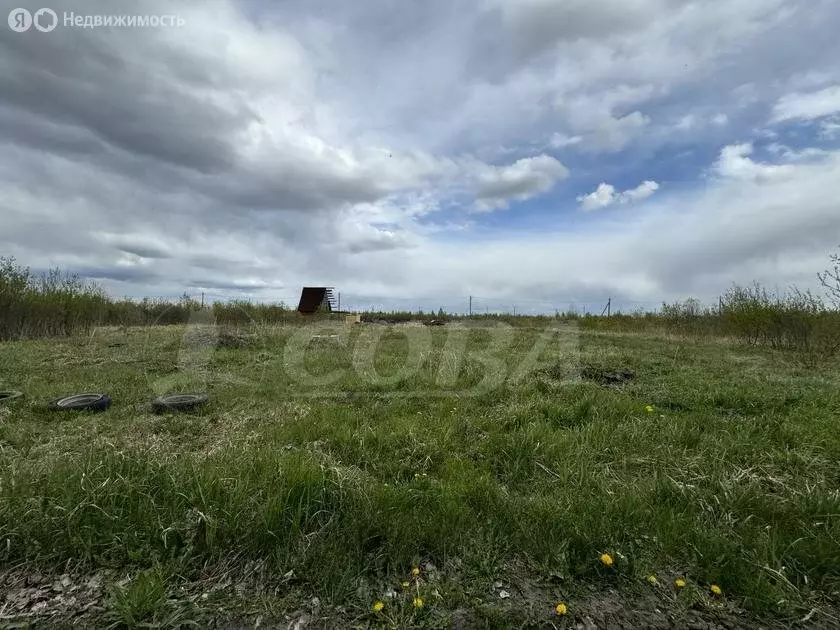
pixel 830 280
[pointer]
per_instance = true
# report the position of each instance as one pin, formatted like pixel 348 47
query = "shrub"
pixel 795 320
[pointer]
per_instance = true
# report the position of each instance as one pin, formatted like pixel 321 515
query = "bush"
pixel 795 320
pixel 47 305
pixel 59 304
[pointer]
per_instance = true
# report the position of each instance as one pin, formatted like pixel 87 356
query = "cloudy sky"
pixel 531 152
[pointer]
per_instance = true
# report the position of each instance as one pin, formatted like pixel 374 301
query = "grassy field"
pixel 333 461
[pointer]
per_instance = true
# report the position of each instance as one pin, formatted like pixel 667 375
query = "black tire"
pixel 89 401
pixel 8 395
pixel 178 402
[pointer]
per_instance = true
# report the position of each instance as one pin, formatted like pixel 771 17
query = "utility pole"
pixel 202 299
pixel 514 310
pixel 339 301
pixel 609 305
pixel 720 305
pixel 470 306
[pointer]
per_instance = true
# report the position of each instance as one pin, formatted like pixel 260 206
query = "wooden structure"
pixel 315 299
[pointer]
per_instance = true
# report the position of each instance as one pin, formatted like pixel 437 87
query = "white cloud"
pixel 614 134
pixel 606 195
pixel 497 186
pixel 687 122
pixel 830 128
pixel 734 230
pixel 561 140
pixel 602 197
pixel 807 106
pixel 264 145
pixel 734 163
pixel 640 192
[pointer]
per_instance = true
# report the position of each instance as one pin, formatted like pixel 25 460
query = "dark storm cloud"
pixel 81 79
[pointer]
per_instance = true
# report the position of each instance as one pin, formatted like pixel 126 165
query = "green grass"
pixel 489 465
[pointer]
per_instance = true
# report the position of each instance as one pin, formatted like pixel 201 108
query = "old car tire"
pixel 7 395
pixel 88 401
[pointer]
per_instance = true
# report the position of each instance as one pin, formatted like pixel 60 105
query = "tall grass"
pixel 56 304
pixel 60 304
pixel 794 320
pixel 47 305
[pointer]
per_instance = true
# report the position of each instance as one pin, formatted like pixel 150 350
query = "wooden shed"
pixel 315 299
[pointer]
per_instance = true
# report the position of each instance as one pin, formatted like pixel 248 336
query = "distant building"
pixel 315 299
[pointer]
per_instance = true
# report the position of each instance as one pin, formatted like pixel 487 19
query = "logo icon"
pixel 45 20
pixel 20 20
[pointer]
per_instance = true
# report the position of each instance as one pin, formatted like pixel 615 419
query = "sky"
pixel 531 153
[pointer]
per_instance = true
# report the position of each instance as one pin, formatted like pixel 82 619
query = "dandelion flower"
pixel 378 606
pixel 606 559
pixel 679 583
pixel 715 590
pixel 415 571
pixel 405 584
pixel 649 408
pixel 561 609
pixel 652 580
pixel 418 602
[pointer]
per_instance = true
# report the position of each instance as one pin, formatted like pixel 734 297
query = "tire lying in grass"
pixel 178 402
pixel 7 395
pixel 88 401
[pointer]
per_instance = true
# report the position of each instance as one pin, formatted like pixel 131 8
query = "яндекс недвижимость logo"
pixel 44 20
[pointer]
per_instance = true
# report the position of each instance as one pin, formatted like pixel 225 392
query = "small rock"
pixel 503 594
pixel 497 585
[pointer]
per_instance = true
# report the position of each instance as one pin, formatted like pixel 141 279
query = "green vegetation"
pixel 332 460
pixel 501 456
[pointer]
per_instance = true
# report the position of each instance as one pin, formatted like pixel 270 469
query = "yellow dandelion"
pixel 679 583
pixel 606 559
pixel 561 609
pixel 405 584
pixel 715 590
pixel 378 606
pixel 652 580
pixel 415 571
pixel 418 602
pixel 649 408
